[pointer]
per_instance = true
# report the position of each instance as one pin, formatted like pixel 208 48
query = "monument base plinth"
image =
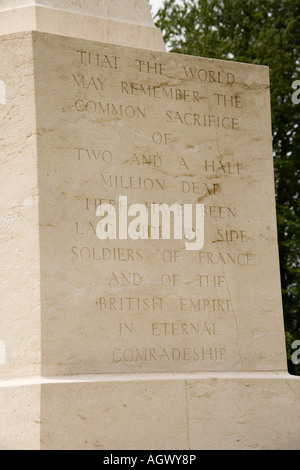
pixel 152 412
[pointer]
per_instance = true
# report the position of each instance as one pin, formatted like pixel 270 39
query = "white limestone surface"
pixel 234 411
pixel 132 11
pixel 126 22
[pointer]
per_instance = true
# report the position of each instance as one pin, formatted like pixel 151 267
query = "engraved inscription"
pixel 110 109
pixel 229 101
pixel 161 92
pixel 125 279
pixel 151 67
pixel 131 182
pixel 206 305
pixel 130 355
pixel 154 161
pixel 97 155
pixel 99 60
pixel 202 120
pixel 164 131
pixel 225 258
pixel 137 304
pixel 228 168
pixel 183 329
pixel 89 83
pixel 97 253
pixel 210 76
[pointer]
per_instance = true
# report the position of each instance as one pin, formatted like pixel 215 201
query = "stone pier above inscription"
pixel 126 22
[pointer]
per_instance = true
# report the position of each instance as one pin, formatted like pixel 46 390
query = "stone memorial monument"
pixel 132 336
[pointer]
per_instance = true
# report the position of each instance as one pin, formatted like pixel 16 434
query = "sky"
pixel 156 4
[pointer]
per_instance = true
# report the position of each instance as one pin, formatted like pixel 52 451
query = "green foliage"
pixel 265 33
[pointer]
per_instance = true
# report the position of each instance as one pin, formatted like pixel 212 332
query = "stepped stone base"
pixel 152 412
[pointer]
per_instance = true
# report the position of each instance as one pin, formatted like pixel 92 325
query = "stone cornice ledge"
pixel 144 377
